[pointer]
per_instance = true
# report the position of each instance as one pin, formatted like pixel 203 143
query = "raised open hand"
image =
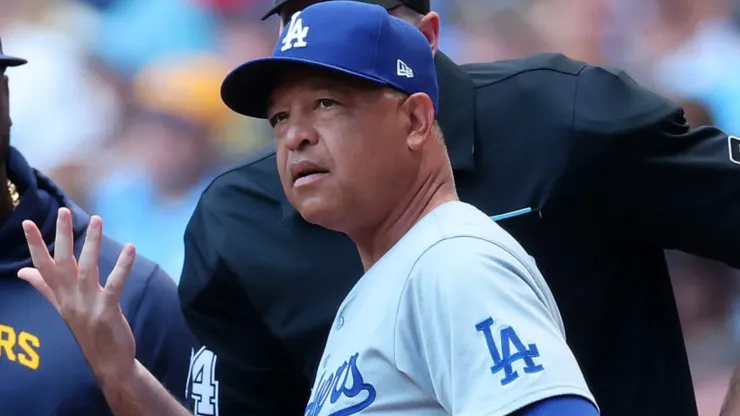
pixel 93 313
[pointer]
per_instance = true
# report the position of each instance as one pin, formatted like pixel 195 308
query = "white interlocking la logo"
pixel 403 70
pixel 295 34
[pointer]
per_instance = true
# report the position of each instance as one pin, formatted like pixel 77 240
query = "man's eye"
pixel 277 118
pixel 326 103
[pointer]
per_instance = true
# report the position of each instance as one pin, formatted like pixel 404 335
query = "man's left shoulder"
pixel 484 74
pixel 610 102
pixel 605 100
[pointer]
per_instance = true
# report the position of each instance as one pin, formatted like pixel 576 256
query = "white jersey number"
pixel 202 386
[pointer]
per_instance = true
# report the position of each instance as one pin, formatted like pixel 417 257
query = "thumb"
pixel 34 278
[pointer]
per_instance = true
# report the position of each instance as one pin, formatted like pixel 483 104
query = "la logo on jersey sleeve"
pixel 295 34
pixel 508 351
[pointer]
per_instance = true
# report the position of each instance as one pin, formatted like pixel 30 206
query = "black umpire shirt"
pixel 611 172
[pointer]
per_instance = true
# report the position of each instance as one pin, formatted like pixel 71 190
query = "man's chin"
pixel 320 213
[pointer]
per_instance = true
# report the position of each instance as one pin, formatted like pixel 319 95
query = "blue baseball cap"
pixel 357 39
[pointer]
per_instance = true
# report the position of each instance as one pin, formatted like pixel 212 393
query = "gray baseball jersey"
pixel 454 320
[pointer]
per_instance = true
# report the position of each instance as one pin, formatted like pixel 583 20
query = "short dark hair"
pixel 408 14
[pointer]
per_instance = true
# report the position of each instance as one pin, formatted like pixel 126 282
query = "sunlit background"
pixel 119 104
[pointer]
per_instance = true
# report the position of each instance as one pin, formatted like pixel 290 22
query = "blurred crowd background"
pixel 119 103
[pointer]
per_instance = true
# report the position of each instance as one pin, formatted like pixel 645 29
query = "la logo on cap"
pixel 296 33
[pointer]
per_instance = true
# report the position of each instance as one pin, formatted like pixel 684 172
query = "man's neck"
pixel 373 244
pixel 6 202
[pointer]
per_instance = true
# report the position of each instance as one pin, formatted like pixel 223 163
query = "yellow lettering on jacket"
pixel 19 347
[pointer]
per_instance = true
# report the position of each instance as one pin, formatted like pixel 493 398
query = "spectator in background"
pixel 701 55
pixel 149 200
pixel 241 40
pixel 575 28
pixel 133 33
pixel 51 35
pixel 705 291
pixel 697 114
pixel 506 34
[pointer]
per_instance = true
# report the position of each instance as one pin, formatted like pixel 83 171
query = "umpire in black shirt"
pixel 593 174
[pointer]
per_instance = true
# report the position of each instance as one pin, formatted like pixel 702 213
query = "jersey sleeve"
pixel 476 331
pixel 561 405
pixel 661 181
pixel 237 366
pixel 610 103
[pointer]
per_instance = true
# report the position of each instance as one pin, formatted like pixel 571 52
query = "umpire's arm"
pixel 662 183
pixel 249 372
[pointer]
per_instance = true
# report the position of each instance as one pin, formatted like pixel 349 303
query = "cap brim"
pixel 247 89
pixel 388 4
pixel 6 60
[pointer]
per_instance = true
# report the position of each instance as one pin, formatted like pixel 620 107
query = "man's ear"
pixel 420 111
pixel 429 26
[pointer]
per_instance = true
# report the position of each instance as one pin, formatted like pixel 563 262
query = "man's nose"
pixel 300 134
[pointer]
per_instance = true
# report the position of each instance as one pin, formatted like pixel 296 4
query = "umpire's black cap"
pixel 421 6
pixel 6 60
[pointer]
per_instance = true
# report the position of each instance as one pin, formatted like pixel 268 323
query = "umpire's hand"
pixel 92 313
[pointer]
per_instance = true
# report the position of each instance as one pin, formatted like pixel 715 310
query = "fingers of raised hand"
pixel 39 253
pixel 64 250
pixel 32 276
pixel 117 277
pixel 88 265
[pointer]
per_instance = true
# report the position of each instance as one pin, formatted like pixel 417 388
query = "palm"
pixel 93 313
pixel 111 336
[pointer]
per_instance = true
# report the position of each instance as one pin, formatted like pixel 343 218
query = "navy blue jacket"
pixel 42 370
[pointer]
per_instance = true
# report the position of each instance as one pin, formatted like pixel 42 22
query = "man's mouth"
pixel 310 178
pixel 304 173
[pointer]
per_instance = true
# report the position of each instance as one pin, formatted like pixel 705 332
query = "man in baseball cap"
pixel 353 105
